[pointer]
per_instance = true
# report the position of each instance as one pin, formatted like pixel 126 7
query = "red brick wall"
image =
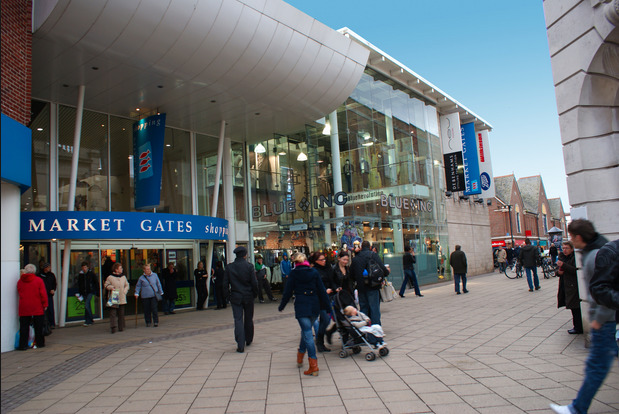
pixel 16 59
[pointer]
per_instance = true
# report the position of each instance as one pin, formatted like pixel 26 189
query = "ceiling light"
pixel 260 149
pixel 368 144
pixel 327 129
pixel 39 129
pixel 282 152
pixel 302 157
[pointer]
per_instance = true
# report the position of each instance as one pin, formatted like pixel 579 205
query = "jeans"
pixel 243 314
pixel 88 310
pixel 502 266
pixel 150 310
pixel 369 301
pixel 457 277
pixel 323 323
pixel 307 339
pixel 168 305
pixel 601 355
pixel 528 271
pixel 409 274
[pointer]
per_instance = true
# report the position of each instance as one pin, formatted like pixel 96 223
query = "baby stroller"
pixel 352 338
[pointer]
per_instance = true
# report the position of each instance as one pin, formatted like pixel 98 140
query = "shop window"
pixel 206 153
pixel 176 179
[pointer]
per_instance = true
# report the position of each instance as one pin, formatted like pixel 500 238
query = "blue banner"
pixel 148 136
pixel 471 162
pixel 97 225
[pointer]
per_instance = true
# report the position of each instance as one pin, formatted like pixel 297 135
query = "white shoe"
pixel 560 409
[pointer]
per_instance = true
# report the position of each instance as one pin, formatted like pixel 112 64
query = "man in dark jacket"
pixel 49 279
pixel 241 287
pixel 169 276
pixel 369 297
pixel 88 287
pixel 605 280
pixel 457 260
pixel 568 294
pixel 408 263
pixel 529 257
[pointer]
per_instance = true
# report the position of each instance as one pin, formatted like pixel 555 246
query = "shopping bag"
pixel 113 299
pixel 47 328
pixel 386 292
pixel 31 337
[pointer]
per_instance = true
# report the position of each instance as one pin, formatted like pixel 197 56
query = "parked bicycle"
pixel 513 270
pixel 548 268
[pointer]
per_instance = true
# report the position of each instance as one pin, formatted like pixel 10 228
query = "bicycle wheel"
pixel 510 272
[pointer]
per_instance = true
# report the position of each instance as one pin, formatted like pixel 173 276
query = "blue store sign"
pixel 95 225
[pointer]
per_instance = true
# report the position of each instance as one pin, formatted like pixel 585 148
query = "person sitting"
pixel 373 333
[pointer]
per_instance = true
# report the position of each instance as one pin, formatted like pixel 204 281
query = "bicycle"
pixel 548 268
pixel 513 270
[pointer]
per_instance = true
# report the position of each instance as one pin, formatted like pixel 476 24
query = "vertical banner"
pixel 452 152
pixel 148 136
pixel 486 179
pixel 471 163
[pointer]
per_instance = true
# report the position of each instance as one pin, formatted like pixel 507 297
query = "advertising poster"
pixel 469 157
pixel 486 178
pixel 148 137
pixel 452 152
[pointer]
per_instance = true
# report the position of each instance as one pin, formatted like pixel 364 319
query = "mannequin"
pixel 364 168
pixel 348 169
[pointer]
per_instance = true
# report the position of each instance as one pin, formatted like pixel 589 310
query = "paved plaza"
pixel 498 349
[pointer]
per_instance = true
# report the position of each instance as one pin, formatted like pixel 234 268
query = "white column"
pixel 228 183
pixel 66 258
pixel 391 169
pixel 11 201
pixel 335 160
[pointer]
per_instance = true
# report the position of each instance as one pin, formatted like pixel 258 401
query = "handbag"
pixel 157 294
pixel 114 299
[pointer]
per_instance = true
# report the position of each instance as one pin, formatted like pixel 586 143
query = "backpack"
pixel 373 275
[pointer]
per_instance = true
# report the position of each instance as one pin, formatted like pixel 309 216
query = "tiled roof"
pixel 530 191
pixel 503 187
pixel 555 207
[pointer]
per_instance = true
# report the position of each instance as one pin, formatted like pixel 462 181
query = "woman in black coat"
pixel 568 294
pixel 310 298
pixel 319 262
pixel 201 278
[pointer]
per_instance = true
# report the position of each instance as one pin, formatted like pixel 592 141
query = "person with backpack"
pixel 369 272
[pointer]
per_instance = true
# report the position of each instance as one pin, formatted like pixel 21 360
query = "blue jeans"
pixel 601 355
pixel 168 305
pixel 307 338
pixel 409 274
pixel 528 271
pixel 457 277
pixel 369 301
pixel 88 310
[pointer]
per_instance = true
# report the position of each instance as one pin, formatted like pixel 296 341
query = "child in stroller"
pixel 353 338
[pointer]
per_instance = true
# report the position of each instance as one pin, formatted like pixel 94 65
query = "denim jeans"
pixel 601 355
pixel 457 277
pixel 88 310
pixel 369 301
pixel 528 271
pixel 307 339
pixel 168 304
pixel 409 274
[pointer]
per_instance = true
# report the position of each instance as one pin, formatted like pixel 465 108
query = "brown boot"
pixel 313 367
pixel 300 356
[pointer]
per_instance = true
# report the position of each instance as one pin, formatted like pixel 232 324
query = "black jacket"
pixel 240 284
pixel 360 263
pixel 169 283
pixel 408 260
pixel 604 285
pixel 457 260
pixel 310 295
pixel 529 256
pixel 87 283
pixel 50 281
pixel 327 276
pixel 199 275
pixel 568 294
pixel 346 281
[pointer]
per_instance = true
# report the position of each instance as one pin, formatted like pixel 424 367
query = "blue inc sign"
pixel 94 225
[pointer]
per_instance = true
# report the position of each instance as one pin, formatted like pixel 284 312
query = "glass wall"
pixel 36 198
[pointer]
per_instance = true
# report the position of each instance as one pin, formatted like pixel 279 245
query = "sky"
pixel 490 55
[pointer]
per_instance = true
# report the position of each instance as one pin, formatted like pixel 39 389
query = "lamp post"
pixel 511 231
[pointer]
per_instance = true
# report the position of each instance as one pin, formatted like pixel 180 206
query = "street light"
pixel 509 211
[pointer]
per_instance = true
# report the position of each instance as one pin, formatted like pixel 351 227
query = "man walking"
pixel 605 281
pixel 88 287
pixel 263 281
pixel 457 260
pixel 603 348
pixel 49 279
pixel 408 263
pixel 529 257
pixel 369 297
pixel 241 287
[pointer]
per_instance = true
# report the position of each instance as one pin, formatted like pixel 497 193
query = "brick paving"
pixel 497 349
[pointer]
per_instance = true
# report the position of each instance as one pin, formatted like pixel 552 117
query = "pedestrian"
pixel 501 258
pixel 457 260
pixel 285 267
pixel 32 306
pixel 49 279
pixel 342 274
pixel 319 262
pixel 169 274
pixel 568 294
pixel 116 284
pixel 149 288
pixel 529 258
pixel 201 277
pixel 263 281
pixel 88 287
pixel 554 252
pixel 240 288
pixel 369 296
pixel 605 281
pixel 510 254
pixel 310 299
pixel 218 276
pixel 408 263
pixel 603 349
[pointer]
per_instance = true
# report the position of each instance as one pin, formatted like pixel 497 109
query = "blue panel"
pixel 471 161
pixel 16 153
pixel 148 139
pixel 96 225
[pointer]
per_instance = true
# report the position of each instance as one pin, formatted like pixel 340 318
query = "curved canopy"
pixel 260 65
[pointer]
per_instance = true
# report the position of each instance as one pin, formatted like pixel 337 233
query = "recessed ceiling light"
pixel 168 145
pixel 257 113
pixel 137 109
pixel 64 85
pixel 39 129
pixel 95 68
pixel 213 101
pixel 160 86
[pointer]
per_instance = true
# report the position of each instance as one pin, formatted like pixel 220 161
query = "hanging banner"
pixel 452 152
pixel 471 163
pixel 486 179
pixel 148 136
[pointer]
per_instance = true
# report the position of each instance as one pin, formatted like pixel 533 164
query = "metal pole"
pixel 66 257
pixel 511 231
pixel 228 183
pixel 211 243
